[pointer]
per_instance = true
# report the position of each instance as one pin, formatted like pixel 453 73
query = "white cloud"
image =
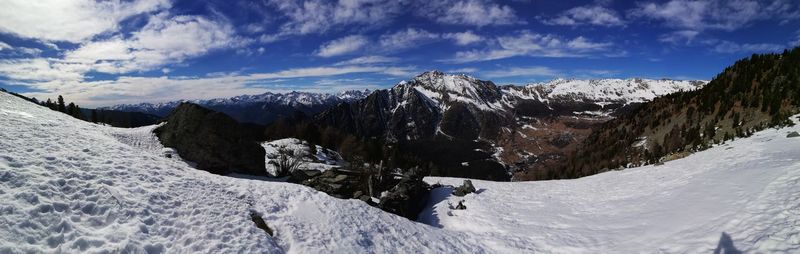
pixel 126 89
pixel 4 46
pixel 368 60
pixel 342 46
pixel 72 21
pixel 532 71
pixel 468 12
pixel 408 38
pixel 7 50
pixel 733 47
pixel 588 15
pixel 320 16
pixel 464 38
pixel 40 69
pixel 679 37
pixel 526 43
pixel 163 40
pixel 716 14
pixel 464 70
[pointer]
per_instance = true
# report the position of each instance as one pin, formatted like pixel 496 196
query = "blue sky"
pixel 110 52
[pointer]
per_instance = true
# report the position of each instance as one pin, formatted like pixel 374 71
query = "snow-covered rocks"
pixel 324 159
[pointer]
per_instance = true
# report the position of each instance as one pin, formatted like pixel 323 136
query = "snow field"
pixel 72 186
pixel 747 191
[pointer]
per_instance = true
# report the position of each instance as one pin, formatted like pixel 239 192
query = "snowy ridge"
pixel 603 90
pixel 443 88
pixel 289 99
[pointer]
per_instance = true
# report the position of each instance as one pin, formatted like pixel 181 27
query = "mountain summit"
pixel 512 128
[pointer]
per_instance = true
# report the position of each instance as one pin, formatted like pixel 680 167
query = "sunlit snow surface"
pixel 744 194
pixel 71 186
pixel 75 187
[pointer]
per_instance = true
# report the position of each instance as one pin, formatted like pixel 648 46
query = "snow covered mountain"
pixel 69 186
pixel 520 127
pixel 261 108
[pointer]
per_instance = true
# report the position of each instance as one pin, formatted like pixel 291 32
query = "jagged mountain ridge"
pixel 503 122
pixel 260 108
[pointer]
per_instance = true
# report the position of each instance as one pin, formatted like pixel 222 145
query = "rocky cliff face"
pixel 213 140
pixel 474 128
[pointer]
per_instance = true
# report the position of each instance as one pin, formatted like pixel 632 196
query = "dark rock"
pixel 464 189
pixel 793 134
pixel 335 183
pixel 461 205
pixel 260 223
pixel 216 142
pixel 407 198
pixel 298 176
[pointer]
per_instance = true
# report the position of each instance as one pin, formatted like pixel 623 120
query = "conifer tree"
pixel 94 115
pixel 61 106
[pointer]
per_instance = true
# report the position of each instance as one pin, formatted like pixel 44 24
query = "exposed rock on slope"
pixel 213 140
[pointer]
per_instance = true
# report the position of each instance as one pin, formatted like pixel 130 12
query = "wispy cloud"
pixel 321 16
pixel 531 71
pixel 342 46
pixel 469 12
pixel 368 60
pixel 587 15
pixel 464 38
pixel 408 38
pixel 715 14
pixel 733 47
pixel 526 43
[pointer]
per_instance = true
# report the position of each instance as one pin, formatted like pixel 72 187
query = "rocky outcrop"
pixel 214 141
pixel 464 189
pixel 340 184
pixel 404 197
pixel 408 197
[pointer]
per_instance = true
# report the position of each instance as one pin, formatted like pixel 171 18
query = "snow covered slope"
pixel 604 90
pixel 744 195
pixel 75 187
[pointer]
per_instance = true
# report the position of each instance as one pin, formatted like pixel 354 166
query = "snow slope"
pixel 602 91
pixel 76 187
pixel 743 195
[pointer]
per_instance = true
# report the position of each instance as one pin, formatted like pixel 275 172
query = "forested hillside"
pixel 758 92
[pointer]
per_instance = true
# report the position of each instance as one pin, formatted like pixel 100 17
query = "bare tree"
pixel 287 162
